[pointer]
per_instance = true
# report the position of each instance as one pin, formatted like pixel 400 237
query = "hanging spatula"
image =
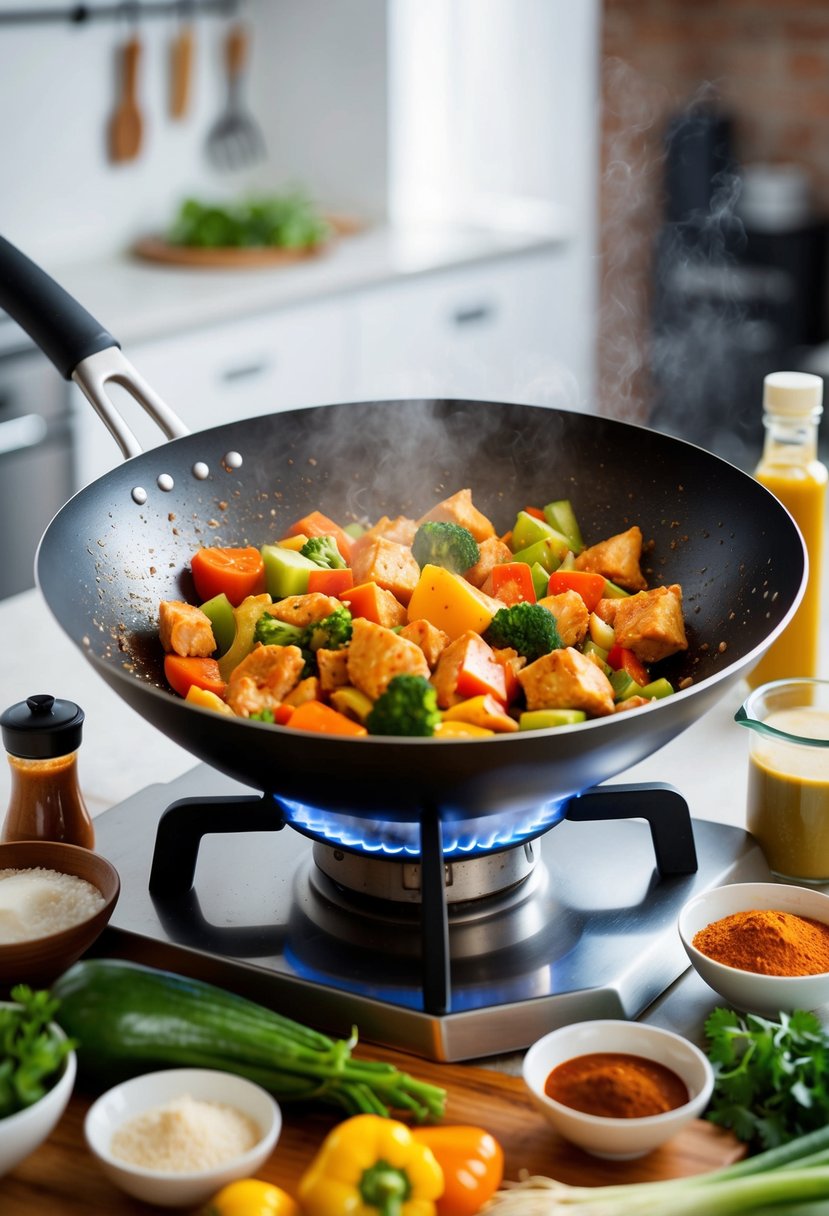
pixel 235 139
pixel 126 125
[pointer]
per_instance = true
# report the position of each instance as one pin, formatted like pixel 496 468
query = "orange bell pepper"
pixel 313 715
pixel 472 1162
pixel 317 524
pixel 182 672
pixel 330 582
pixel 480 672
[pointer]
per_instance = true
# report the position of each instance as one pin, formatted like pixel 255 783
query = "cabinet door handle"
pixel 26 431
pixel 475 314
pixel 245 371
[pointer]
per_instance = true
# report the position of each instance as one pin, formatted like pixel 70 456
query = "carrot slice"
pixel 313 715
pixel 589 586
pixel 182 672
pixel 236 572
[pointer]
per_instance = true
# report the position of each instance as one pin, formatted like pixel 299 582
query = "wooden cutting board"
pixel 62 1179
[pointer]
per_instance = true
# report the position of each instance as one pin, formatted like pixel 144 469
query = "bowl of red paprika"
pixel 763 946
pixel 617 1089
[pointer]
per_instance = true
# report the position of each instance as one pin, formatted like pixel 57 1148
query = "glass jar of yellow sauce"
pixel 787 808
pixel 790 469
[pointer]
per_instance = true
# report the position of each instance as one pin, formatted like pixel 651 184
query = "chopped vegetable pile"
pixel 436 627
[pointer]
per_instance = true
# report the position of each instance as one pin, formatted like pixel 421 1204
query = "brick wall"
pixel 766 62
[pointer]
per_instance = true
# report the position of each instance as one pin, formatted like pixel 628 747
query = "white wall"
pixel 60 197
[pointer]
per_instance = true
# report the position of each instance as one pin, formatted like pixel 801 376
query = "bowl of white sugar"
pixel 55 900
pixel 176 1137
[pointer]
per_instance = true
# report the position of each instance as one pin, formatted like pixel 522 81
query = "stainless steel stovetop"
pixel 588 931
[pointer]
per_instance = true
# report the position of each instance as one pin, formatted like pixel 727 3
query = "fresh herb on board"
pixel 31 1053
pixel 771 1078
pixel 283 221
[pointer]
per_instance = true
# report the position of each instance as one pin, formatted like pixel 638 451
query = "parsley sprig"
pixel 31 1053
pixel 771 1077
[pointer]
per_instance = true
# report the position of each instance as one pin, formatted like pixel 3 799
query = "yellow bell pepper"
pixel 251 1197
pixel 450 603
pixel 371 1166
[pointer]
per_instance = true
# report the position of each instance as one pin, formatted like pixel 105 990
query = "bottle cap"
pixel 42 727
pixel 797 394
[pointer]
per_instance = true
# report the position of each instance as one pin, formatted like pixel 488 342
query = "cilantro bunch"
pixel 31 1053
pixel 771 1077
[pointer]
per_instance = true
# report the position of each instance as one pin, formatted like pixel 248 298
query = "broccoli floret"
pixel 332 632
pixel 323 550
pixel 408 707
pixel 437 543
pixel 528 628
pixel 271 632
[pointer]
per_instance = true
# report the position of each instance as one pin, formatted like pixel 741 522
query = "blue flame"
pixel 392 839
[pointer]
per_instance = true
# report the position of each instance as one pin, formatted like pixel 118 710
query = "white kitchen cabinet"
pixel 498 331
pixel 243 367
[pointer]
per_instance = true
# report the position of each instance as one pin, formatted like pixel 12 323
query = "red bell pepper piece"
pixel 621 658
pixel 512 583
pixel 536 512
pixel 588 585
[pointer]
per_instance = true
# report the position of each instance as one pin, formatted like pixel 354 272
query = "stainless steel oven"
pixel 36 454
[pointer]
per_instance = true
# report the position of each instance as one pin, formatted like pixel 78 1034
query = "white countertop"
pixel 138 300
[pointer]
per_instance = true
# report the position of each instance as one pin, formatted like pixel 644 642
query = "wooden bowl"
pixel 41 960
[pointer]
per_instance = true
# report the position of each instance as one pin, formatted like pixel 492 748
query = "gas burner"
pixel 580 922
pixel 396 838
pixel 401 881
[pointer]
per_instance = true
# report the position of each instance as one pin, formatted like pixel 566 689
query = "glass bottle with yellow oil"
pixel 790 468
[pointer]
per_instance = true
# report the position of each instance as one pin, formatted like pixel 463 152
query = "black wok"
pixel 106 560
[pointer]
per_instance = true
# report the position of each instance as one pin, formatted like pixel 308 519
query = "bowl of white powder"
pixel 176 1137
pixel 55 900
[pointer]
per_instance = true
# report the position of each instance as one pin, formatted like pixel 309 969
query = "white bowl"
pixel 767 995
pixel 23 1132
pixel 618 1139
pixel 134 1097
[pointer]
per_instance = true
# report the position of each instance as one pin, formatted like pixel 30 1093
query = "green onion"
pixel 795 1173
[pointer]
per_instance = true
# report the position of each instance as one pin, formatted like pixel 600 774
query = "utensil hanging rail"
pixel 80 14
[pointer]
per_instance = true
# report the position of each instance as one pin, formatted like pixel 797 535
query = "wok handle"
pixel 79 346
pixel 57 323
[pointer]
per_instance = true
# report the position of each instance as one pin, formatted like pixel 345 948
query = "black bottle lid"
pixel 42 727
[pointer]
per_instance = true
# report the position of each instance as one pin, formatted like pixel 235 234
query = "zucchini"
pixel 128 1019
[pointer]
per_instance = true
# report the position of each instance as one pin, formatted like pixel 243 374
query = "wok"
pixel 124 542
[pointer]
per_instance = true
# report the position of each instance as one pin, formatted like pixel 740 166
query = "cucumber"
pixel 128 1019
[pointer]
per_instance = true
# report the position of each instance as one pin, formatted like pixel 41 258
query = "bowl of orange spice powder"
pixel 617 1089
pixel 763 946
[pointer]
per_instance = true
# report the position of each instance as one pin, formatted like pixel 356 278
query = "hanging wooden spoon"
pixel 126 126
pixel 181 70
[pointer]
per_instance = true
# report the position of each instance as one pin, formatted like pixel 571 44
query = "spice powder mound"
pixel 185 1135
pixel 616 1085
pixel 767 942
